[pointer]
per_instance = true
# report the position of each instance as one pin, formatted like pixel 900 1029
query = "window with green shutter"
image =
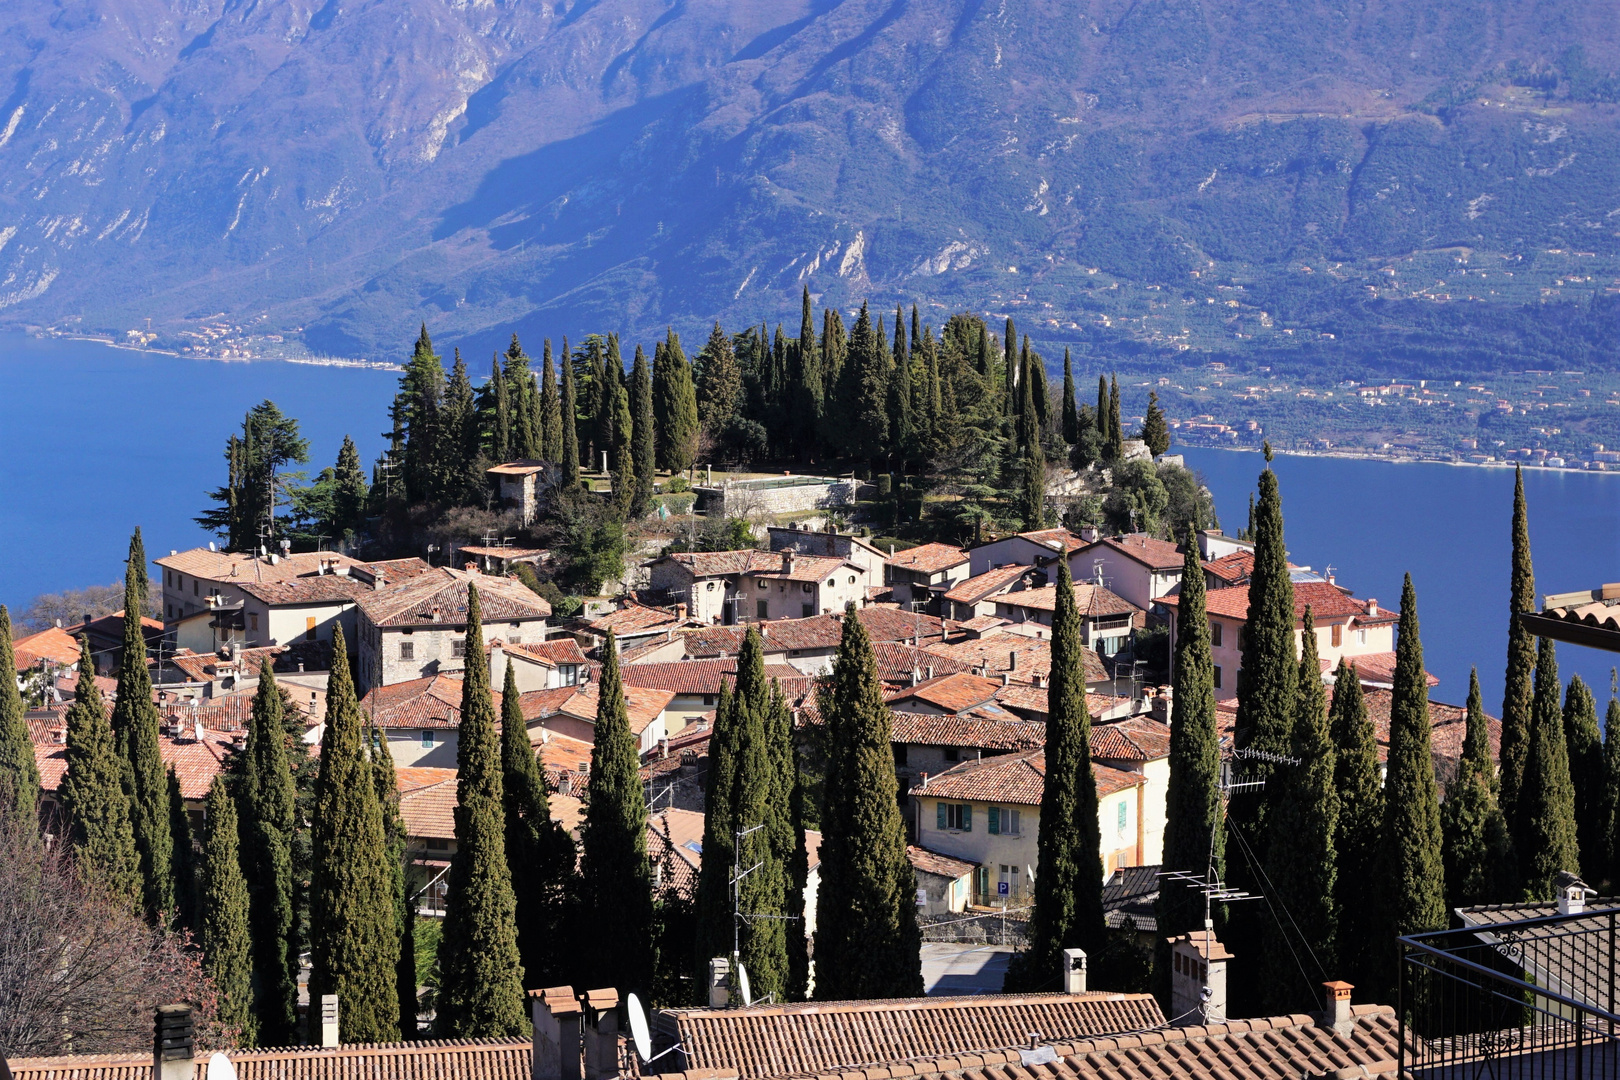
pixel 940 807
pixel 993 814
pixel 967 817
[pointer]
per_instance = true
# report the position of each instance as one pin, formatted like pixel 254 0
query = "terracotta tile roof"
pixel 242 568
pixel 1372 668
pixel 563 650
pixel 932 862
pixel 316 656
pixel 413 602
pixel 994 653
pixel 1012 778
pixel 1093 601
pixel 502 552
pixel 675 848
pixel 398 570
pixel 981 623
pixel 929 558
pixel 954 693
pixel 563 755
pixel 1151 552
pixel 433 702
pixel 53 644
pixel 930 729
pixel 1059 539
pixel 1136 738
pixel 884 622
pixel 1325 601
pixel 697 676
pixel 521 467
pixel 458 1059
pixel 758 563
pixel 644 705
pixel 817 1038
pixel 633 618
pixel 307 589
pixel 195 763
pixel 1027 698
pixel 986 584
pixel 427 802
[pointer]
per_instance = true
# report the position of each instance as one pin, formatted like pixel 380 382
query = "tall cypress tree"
pixel 1116 430
pixel 623 456
pixel 551 408
pixel 268 821
pixel 1070 414
pixel 1521 662
pixel 643 444
pixel 223 934
pixel 867 940
pixel 836 406
pixel 1155 432
pixel 418 407
pixel 675 412
pixel 94 802
pixel 1038 390
pixel 617 877
pixel 354 942
pixel 1302 861
pixel 481 977
pixel 1547 797
pixel 135 722
pixel 1611 790
pixel 714 914
pixel 1194 836
pixel 1009 368
pixel 1361 818
pixel 901 422
pixel 539 853
pixel 1268 675
pixel 808 391
pixel 786 807
pixel 1104 438
pixel 19 775
pixel 184 865
pixel 386 783
pixel 570 422
pixel 719 389
pixel 1585 745
pixel 1474 833
pixel 864 393
pixel 1412 864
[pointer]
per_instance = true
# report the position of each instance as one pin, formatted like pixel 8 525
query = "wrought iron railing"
pixel 1504 1000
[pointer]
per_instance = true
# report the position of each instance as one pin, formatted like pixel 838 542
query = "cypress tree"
pixel 1116 430
pixel 901 421
pixel 1268 675
pixel 1009 367
pixel 1068 877
pixel 714 914
pixel 786 807
pixel 386 782
pixel 1104 438
pixel 1038 391
pixel 866 426
pixel 19 775
pixel 1411 861
pixel 1361 817
pixel 719 390
pixel 551 408
pixel 1611 789
pixel 1471 826
pixel 1302 861
pixel 867 940
pixel 1547 797
pixel 184 864
pixel 481 976
pixel 463 478
pixel 1155 432
pixel 268 821
pixel 617 877
pixel 1070 414
pixel 1521 662
pixel 498 419
pixel 1585 745
pixel 349 493
pixel 763 892
pixel 539 854
pixel 641 409
pixel 935 407
pixel 623 456
pixel 419 406
pixel 135 722
pixel 675 412
pixel 837 407
pixel 94 802
pixel 223 934
pixel 808 391
pixel 354 942
pixel 570 422
pixel 1194 839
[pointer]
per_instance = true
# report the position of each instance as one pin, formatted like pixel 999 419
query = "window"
pixel 852 579
pixel 805 587
pixel 900 754
pixel 407 650
pixel 808 610
pixel 1124 812
pixel 708 699
pixel 438 843
pixel 427 738
pixel 1002 820
pixel 1217 676
pixel 1361 637
pixel 253 621
pixel 193 586
pixel 830 582
pixel 458 648
pixel 309 628
pixel 1215 634
pixel 762 609
pixel 1338 635
pixel 515 639
pixel 958 816
pixel 953 753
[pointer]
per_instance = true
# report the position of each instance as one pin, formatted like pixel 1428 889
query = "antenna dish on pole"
pixel 638 1028
pixel 220 1068
pixel 743 988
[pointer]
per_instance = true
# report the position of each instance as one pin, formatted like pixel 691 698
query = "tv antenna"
pixel 739 916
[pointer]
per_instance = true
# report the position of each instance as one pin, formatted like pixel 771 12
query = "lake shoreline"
pixel 1395 459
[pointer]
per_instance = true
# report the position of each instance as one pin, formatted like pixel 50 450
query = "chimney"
pixel 1088 533
pixel 172 1044
pixel 1006 677
pixel 1198 977
pixel 930 670
pixel 1074 971
pixel 438 613
pixel 1372 606
pixel 470 566
pixel 329 1020
pixel 1571 893
pixel 603 1037
pixel 1335 1012
pixel 787 561
pixel 925 781
pixel 555 1013
pixel 377 582
pixel 1012 660
pixel 720 975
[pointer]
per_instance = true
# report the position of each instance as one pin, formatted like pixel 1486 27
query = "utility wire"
pixel 1254 864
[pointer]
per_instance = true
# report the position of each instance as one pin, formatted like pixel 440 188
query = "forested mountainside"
pixel 1323 183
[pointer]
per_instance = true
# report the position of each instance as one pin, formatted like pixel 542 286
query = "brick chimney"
pixel 1335 1012
pixel 555 1013
pixel 173 1044
pixel 603 1039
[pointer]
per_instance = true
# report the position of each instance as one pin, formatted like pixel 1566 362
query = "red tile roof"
pixel 930 729
pixel 457 1059
pixel 1093 601
pixel 433 702
pixel 1150 551
pixel 1059 539
pixel 1028 698
pixel 929 558
pixel 954 693
pixel 932 862
pixel 1372 668
pixel 307 589
pixel 1136 738
pixel 195 763
pixel 994 652
pixel 1013 778
pixel 427 802
pixel 633 619
pixel 644 705
pixel 696 676
pixel 1327 602
pixel 563 650
pixel 989 583
pixel 243 568
pixel 53 644
pixel 758 563
pixel 414 602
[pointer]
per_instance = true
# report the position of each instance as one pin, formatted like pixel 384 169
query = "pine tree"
pixel 719 383
pixel 419 406
pixel 354 942
pixel 867 940
pixel 349 493
pixel 481 977
pixel 617 878
pixel 675 411
pixel 135 722
pixel 184 863
pixel 1547 797
pixel 1361 817
pixel 1473 831
pixel 223 934
pixel 1115 447
pixel 1585 746
pixel 95 806
pixel 1155 432
pixel 570 423
pixel 539 854
pixel 19 775
pixel 1521 664
pixel 641 410
pixel 1302 862
pixel 268 819
pixel 1070 415
pixel 1068 876
pixel 551 409
pixel 1411 861
pixel 1194 836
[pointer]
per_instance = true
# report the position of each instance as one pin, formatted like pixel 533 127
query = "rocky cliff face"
pixel 335 171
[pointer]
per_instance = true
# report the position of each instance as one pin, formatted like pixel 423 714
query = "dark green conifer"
pixel 1585 746
pixel 1115 447
pixel 1361 818
pixel 807 391
pixel 1301 861
pixel 19 775
pixel 1104 438
pixel 1070 414
pixel 787 829
pixel 1611 790
pixel 1547 797
pixel 349 493
pixel 1268 678
pixel 498 412
pixel 863 391
pixel 622 459
pixel 551 409
pixel 617 878
pixel 675 411
pixel 1471 825
pixel 1155 432
pixel 867 940
pixel 1521 662
pixel 902 437
pixel 184 863
pixel 268 819
pixel 837 405
pixel 94 804
pixel 1411 862
pixel 223 933
pixel 644 441
pixel 719 383
pixel 386 782
pixel 480 974
pixel 714 910
pixel 418 407
pixel 1038 390
pixel 1010 370
pixel 570 422
pixel 354 938
pixel 135 722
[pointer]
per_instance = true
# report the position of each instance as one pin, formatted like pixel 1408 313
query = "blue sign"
pixel 1003 888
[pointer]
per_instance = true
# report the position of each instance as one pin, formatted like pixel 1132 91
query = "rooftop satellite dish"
pixel 742 984
pixel 638 1028
pixel 220 1068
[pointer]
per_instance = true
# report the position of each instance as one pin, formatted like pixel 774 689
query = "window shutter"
pixel 994 820
pixel 940 807
pixel 967 817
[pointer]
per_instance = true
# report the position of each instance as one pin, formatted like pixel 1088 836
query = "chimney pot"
pixel 719 982
pixel 1005 678
pixel 173 1043
pixel 1336 1006
pixel 329 1020
pixel 1074 971
pixel 1372 606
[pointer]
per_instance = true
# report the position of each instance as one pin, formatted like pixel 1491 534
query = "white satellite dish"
pixel 220 1068
pixel 742 984
pixel 638 1027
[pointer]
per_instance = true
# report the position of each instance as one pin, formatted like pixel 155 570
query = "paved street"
pixel 951 968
